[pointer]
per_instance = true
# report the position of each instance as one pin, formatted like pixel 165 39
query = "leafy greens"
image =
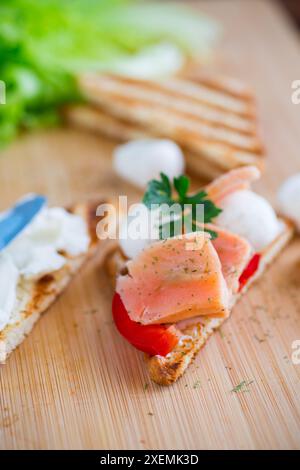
pixel 45 44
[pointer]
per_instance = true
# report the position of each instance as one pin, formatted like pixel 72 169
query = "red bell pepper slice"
pixel 250 270
pixel 151 339
pixel 160 339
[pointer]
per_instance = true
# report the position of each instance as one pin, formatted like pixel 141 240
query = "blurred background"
pixel 293 7
pixel 45 46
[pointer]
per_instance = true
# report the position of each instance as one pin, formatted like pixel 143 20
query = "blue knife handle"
pixel 16 219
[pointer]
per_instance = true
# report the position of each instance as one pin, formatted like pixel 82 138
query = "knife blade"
pixel 15 220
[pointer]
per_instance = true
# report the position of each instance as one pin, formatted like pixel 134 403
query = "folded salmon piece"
pixel 234 180
pixel 234 253
pixel 174 279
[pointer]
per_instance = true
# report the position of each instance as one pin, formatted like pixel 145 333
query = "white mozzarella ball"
pixel 251 216
pixel 289 198
pixel 139 161
pixel 139 230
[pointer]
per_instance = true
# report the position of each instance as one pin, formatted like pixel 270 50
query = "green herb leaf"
pixel 160 192
pixel 242 387
pixel 181 184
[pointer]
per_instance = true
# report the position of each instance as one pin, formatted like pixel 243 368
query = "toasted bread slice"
pixel 230 85
pixel 210 123
pixel 35 296
pixel 166 370
pixel 98 121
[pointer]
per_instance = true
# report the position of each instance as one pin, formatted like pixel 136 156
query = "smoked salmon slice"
pixel 167 282
pixel 234 253
pixel 234 180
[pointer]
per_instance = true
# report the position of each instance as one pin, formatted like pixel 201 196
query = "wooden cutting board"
pixel 75 383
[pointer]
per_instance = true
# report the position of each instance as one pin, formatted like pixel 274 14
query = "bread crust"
pixel 37 295
pixel 213 119
pixel 167 370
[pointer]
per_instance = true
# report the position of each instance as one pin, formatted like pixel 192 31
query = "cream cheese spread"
pixel 37 251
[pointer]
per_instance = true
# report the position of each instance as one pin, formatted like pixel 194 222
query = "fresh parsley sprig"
pixel 161 192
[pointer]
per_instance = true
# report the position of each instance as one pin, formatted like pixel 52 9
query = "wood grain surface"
pixel 75 383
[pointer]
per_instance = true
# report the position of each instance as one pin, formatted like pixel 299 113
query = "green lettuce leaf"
pixel 45 44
